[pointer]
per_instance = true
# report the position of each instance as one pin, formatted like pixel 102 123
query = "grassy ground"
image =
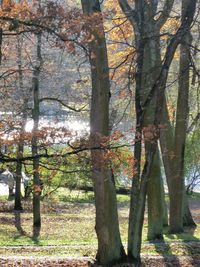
pixel 68 227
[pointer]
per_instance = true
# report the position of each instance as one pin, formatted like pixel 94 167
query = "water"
pixel 78 126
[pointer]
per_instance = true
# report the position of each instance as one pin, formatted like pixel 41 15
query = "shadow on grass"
pixel 164 249
pixel 194 247
pixel 188 243
pixel 36 230
pixel 18 223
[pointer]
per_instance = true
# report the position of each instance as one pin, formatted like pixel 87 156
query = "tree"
pixel 110 248
pixel 34 141
pixel 24 115
pixel 150 61
pixel 155 96
pixel 178 188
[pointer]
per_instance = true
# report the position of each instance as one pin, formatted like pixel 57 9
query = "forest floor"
pixel 67 236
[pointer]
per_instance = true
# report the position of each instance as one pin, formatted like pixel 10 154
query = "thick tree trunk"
pixel 155 201
pixel 151 67
pixel 110 248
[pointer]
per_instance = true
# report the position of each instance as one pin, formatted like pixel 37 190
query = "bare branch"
pixel 75 151
pixel 63 103
pixel 165 13
pixel 44 28
pixel 170 51
pixel 194 123
pixel 129 12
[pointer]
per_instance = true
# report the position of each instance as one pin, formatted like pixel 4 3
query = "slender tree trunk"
pixel 146 62
pixel 187 216
pixel 1 41
pixel 20 151
pixel 18 204
pixel 136 18
pixel 167 149
pixel 1 37
pixel 178 189
pixel 36 113
pixel 110 248
pixel 138 197
pixel 164 205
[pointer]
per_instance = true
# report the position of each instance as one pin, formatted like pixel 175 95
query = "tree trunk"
pixel 136 17
pixel 20 151
pixel 178 188
pixel 18 204
pixel 164 205
pixel 138 196
pixel 36 111
pixel 167 149
pixel 1 37
pixel 110 248
pixel 1 40
pixel 155 201
pixel 187 216
pixel 146 76
pixel 151 67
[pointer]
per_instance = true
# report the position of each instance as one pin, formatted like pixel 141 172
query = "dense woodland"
pixel 104 94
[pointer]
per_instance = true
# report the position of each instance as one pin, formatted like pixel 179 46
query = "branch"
pixel 63 171
pixel 194 123
pixel 4 159
pixel 62 103
pixel 8 73
pixel 129 12
pixel 165 13
pixel 42 28
pixel 160 83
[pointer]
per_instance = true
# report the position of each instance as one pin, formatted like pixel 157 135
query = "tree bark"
pixel 20 151
pixel 155 201
pixel 138 196
pixel 178 188
pixel 158 88
pixel 167 150
pixel 150 70
pixel 1 41
pixel 35 115
pixel 110 248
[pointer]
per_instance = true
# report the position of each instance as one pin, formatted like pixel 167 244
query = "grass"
pixel 75 196
pixel 68 221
